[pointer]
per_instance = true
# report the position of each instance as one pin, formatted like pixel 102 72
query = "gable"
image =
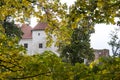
pixel 26 29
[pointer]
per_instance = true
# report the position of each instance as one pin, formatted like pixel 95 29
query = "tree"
pixel 79 49
pixel 105 68
pixel 11 29
pixel 42 66
pixel 82 11
pixel 10 52
pixel 61 24
pixel 115 43
pixel 10 56
pixel 60 20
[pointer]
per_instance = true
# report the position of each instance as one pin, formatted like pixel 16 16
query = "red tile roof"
pixel 26 29
pixel 40 26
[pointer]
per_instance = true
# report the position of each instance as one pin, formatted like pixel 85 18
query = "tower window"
pixel 25 45
pixel 40 45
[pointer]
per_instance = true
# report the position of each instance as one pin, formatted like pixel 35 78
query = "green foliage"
pixel 86 13
pixel 49 66
pixel 10 52
pixel 79 48
pixel 11 29
pixel 107 68
pixel 42 66
pixel 61 18
pixel 10 55
pixel 82 13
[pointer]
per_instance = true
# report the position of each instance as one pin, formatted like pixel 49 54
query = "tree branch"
pixel 32 76
pixel 14 65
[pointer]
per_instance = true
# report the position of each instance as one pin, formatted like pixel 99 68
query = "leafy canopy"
pixel 79 48
pixel 60 18
pixel 61 24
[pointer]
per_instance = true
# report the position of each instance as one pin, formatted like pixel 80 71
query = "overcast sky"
pixel 99 39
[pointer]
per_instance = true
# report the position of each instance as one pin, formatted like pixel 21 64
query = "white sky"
pixel 99 39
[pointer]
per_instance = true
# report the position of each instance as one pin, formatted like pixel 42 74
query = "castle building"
pixel 101 53
pixel 34 39
pixel 98 54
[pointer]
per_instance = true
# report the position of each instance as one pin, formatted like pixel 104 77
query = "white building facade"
pixel 34 39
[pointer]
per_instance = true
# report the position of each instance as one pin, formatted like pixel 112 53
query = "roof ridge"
pixel 40 26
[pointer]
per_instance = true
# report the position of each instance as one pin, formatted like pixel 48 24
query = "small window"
pixel 38 34
pixel 40 45
pixel 26 45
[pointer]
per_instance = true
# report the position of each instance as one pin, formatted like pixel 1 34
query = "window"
pixel 38 34
pixel 26 45
pixel 40 45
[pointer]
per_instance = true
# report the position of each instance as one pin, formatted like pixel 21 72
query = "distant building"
pixel 34 39
pixel 101 53
pixel 98 54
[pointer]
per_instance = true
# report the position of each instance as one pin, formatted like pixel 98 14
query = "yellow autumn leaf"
pixel 100 4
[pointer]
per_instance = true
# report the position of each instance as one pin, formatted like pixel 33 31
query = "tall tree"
pixel 115 43
pixel 79 48
pixel 11 29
